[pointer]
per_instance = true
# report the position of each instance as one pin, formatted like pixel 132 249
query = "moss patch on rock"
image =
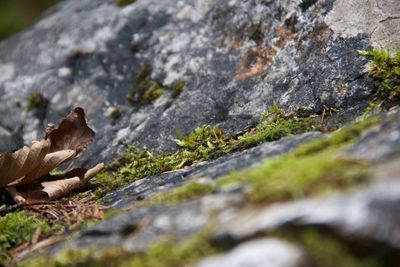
pixel 166 253
pixel 312 169
pixel 188 191
pixel 324 250
pixel 384 68
pixel 20 227
pixel 36 100
pixel 204 143
pixel 144 90
pixel 124 2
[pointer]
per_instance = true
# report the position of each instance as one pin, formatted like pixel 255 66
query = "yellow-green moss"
pixel 172 254
pixel 177 88
pixel 385 69
pixel 347 135
pixel 166 253
pixel 124 2
pixel 324 250
pixel 19 227
pixel 112 212
pixel 144 90
pixel 36 100
pixel 189 191
pixel 204 143
pixel 276 124
pixel 67 258
pixel 313 168
pixel 115 113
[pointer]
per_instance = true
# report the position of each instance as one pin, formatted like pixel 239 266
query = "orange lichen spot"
pixel 342 89
pixel 284 36
pixel 254 62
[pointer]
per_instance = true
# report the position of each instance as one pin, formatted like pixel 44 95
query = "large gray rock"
pixel 236 58
pixel 86 53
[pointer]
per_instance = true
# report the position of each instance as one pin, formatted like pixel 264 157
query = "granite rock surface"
pixel 236 58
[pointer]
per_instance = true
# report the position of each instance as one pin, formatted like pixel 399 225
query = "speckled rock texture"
pixel 87 53
pixel 236 58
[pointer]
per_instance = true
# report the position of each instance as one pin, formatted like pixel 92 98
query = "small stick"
pixel 12 208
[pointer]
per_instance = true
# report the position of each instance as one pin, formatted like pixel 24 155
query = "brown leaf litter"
pixel 25 174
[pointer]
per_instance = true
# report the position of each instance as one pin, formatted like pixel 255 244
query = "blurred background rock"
pixel 17 15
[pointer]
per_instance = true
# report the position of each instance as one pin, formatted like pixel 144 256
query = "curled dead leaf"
pixel 14 166
pixel 72 133
pixel 25 173
pixel 53 187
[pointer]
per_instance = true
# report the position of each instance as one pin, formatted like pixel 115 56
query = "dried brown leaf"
pixel 72 133
pixel 25 173
pixel 59 188
pixel 14 166
pixel 50 161
pixel 53 188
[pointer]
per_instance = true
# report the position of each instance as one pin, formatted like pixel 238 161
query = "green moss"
pixel 124 2
pixel 144 89
pixel 17 228
pixel 170 254
pixel 276 129
pixel 36 100
pixel 166 253
pixel 114 113
pixel 112 212
pixel 385 69
pixel 204 143
pixel 325 250
pixel 105 182
pixel 154 91
pixel 276 124
pixel 67 258
pixel 177 88
pixel 312 169
pixel 189 191
pixel 345 136
pixel 205 140
pixel 292 178
pixel 77 54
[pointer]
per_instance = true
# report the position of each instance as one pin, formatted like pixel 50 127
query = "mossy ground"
pixel 188 191
pixel 204 143
pixel 324 250
pixel 313 168
pixel 384 68
pixel 20 227
pixel 166 253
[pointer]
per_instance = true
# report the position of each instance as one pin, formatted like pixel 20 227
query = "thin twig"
pixel 12 208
